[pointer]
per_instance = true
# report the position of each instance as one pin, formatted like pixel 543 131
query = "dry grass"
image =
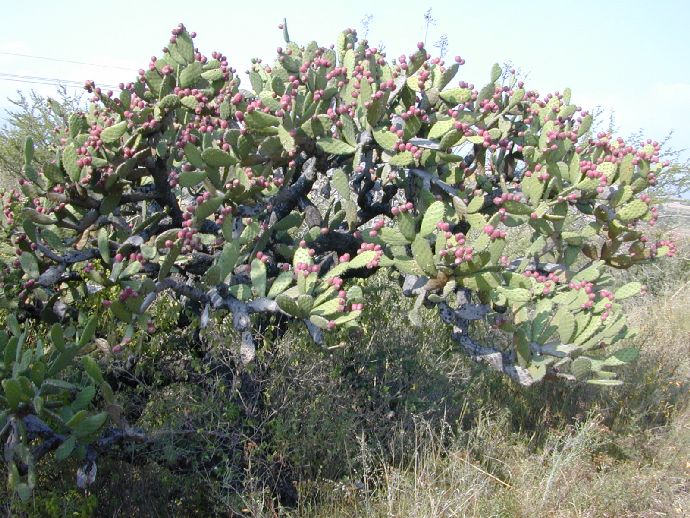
pixel 629 456
pixel 572 476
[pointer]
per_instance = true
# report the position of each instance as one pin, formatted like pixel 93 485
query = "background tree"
pixel 39 118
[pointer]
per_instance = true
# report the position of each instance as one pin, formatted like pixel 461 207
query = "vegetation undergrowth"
pixel 396 422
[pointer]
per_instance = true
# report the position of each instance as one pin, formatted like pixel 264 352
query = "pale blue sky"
pixel 630 57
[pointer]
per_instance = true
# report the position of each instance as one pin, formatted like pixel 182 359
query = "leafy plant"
pixel 40 403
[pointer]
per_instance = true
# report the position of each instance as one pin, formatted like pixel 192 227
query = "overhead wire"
pixel 52 81
pixel 65 60
pixel 49 80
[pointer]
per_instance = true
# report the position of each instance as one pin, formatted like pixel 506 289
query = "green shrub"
pixel 186 211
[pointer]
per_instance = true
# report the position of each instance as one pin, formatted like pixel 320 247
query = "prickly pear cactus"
pixel 275 195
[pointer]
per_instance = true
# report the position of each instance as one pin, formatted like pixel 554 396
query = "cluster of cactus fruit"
pixel 279 199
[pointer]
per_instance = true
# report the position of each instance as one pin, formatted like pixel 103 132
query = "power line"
pixel 36 82
pixel 48 80
pixel 37 78
pixel 65 61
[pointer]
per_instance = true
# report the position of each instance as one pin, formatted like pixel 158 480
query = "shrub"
pixel 276 204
